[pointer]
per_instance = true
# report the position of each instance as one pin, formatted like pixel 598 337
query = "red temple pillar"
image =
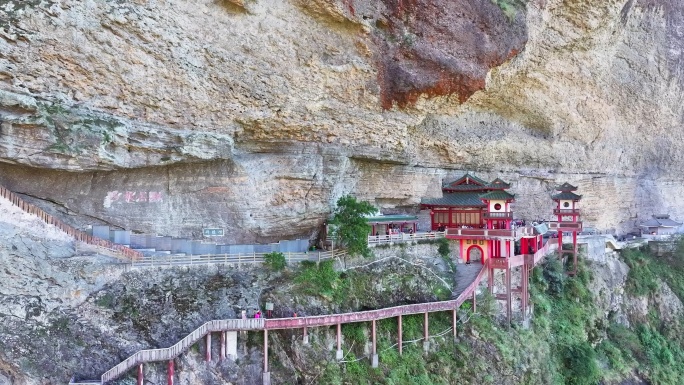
pixel 169 373
pixel 140 374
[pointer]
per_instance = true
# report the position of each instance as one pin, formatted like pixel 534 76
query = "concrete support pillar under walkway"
pixel 207 356
pixel 223 346
pixel 267 374
pixel 306 336
pixel 454 320
pixel 169 373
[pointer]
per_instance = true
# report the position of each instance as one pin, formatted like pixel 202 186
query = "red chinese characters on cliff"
pixel 126 197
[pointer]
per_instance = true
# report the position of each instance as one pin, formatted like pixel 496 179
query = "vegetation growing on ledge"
pixel 570 341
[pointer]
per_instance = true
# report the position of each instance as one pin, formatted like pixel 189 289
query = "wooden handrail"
pixel 164 354
pixel 71 231
pixel 253 258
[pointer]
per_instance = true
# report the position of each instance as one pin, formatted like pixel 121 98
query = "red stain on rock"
pixel 441 47
pixel 350 6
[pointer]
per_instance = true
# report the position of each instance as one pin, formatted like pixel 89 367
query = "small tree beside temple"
pixel 349 226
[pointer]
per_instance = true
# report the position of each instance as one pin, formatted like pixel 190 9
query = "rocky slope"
pixel 256 115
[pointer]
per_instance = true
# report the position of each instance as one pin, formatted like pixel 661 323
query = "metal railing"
pixel 236 259
pixel 495 215
pixel 565 226
pixel 76 234
pixel 403 237
pixel 566 212
pixel 480 233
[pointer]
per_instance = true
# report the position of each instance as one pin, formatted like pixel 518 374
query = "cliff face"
pixel 256 115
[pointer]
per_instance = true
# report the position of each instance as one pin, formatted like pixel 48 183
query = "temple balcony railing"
pixel 495 215
pixel 565 226
pixel 566 211
pixel 403 237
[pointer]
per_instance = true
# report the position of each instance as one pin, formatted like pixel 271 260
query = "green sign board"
pixel 212 232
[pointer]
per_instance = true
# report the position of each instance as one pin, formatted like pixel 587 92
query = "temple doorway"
pixel 474 254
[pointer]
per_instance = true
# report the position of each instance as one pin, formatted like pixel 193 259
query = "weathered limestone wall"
pixel 256 116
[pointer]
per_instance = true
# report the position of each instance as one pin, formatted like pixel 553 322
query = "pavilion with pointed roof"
pixel 465 202
pixel 478 212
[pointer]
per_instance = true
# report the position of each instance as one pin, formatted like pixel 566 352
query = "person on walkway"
pixel 257 314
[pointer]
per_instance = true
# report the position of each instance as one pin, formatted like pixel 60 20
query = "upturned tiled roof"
pixel 497 195
pixel 498 184
pixel 566 187
pixel 661 221
pixel 566 196
pixel 465 180
pixel 461 199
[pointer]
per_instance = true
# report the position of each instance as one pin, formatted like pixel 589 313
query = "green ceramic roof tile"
pixel 566 187
pixel 461 198
pixel 566 195
pixel 498 195
pixel 499 184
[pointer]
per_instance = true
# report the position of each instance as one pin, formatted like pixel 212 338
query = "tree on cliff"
pixel 349 226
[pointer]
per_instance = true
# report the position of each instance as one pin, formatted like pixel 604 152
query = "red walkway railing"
pixel 77 234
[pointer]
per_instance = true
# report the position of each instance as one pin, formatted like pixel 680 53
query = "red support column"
pixel 574 254
pixel 560 243
pixel 490 280
pixel 169 373
pixel 401 344
pixel 140 374
pixel 339 342
pixel 208 346
pixel 265 350
pixel 524 248
pixel 266 376
pixel 374 356
pixel 426 327
pixel 426 342
pixel 508 295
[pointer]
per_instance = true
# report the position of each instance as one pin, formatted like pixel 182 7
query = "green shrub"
pixel 641 279
pixel 275 261
pixel 321 280
pixel 579 361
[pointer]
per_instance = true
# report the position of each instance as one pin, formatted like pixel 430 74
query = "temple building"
pixel 660 225
pixel 477 214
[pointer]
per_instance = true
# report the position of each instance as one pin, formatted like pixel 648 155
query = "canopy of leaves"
pixel 350 227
